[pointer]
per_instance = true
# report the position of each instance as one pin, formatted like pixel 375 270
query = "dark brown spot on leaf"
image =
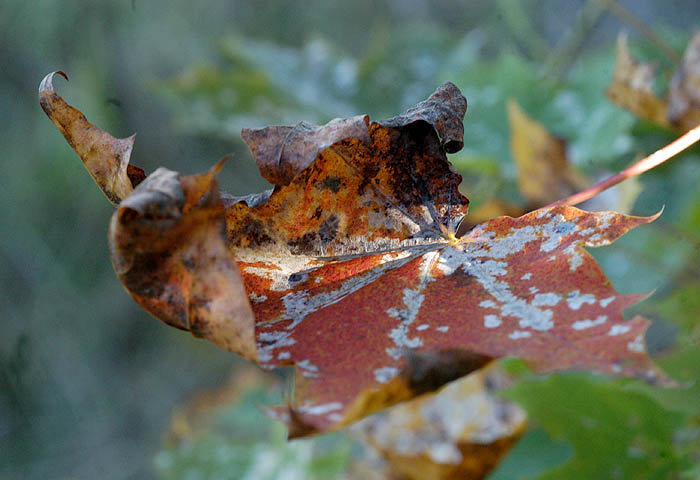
pixel 428 371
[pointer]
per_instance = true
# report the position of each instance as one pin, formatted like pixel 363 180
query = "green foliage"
pixel 615 434
pixel 535 453
pixel 238 441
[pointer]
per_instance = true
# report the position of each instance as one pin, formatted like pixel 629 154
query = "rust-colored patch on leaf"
pixel 105 157
pixel 523 287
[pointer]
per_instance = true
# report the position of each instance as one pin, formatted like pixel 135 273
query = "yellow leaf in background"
pixel 544 175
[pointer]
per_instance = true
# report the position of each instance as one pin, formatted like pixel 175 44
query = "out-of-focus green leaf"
pixel 614 433
pixel 684 366
pixel 240 442
pixel 682 307
pixel 647 262
pixel 532 455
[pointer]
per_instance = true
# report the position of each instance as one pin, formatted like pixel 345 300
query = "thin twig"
pixel 520 24
pixel 631 19
pixel 570 46
pixel 653 160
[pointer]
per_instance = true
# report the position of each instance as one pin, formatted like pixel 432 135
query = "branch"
pixel 653 160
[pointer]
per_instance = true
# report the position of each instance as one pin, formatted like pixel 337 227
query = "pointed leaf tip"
pixel 105 157
pixel 220 164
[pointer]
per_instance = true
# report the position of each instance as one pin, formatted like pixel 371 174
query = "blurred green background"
pixel 88 381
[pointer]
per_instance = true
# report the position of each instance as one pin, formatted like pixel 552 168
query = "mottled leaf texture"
pixel 282 152
pixel 355 273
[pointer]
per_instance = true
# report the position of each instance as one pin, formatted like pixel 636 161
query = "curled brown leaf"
pixel 169 248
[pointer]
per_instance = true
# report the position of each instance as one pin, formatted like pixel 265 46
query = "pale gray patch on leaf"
pixel 584 324
pixel 618 329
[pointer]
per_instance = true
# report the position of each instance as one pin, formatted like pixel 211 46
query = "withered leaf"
pixel 282 152
pixel 168 238
pixel 169 248
pixel 684 92
pixel 356 275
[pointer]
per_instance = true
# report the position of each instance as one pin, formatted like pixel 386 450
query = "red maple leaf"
pixel 353 269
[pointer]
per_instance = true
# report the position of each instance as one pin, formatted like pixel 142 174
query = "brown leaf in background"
pixel 684 92
pixel 632 88
pixel 544 174
pixel 105 157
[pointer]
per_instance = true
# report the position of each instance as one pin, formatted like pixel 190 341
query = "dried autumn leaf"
pixel 169 249
pixel 684 92
pixel 460 432
pixel 281 152
pixel 357 278
pixel 544 174
pixel 632 88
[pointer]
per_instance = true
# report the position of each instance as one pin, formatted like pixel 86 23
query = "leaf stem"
pixel 653 160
